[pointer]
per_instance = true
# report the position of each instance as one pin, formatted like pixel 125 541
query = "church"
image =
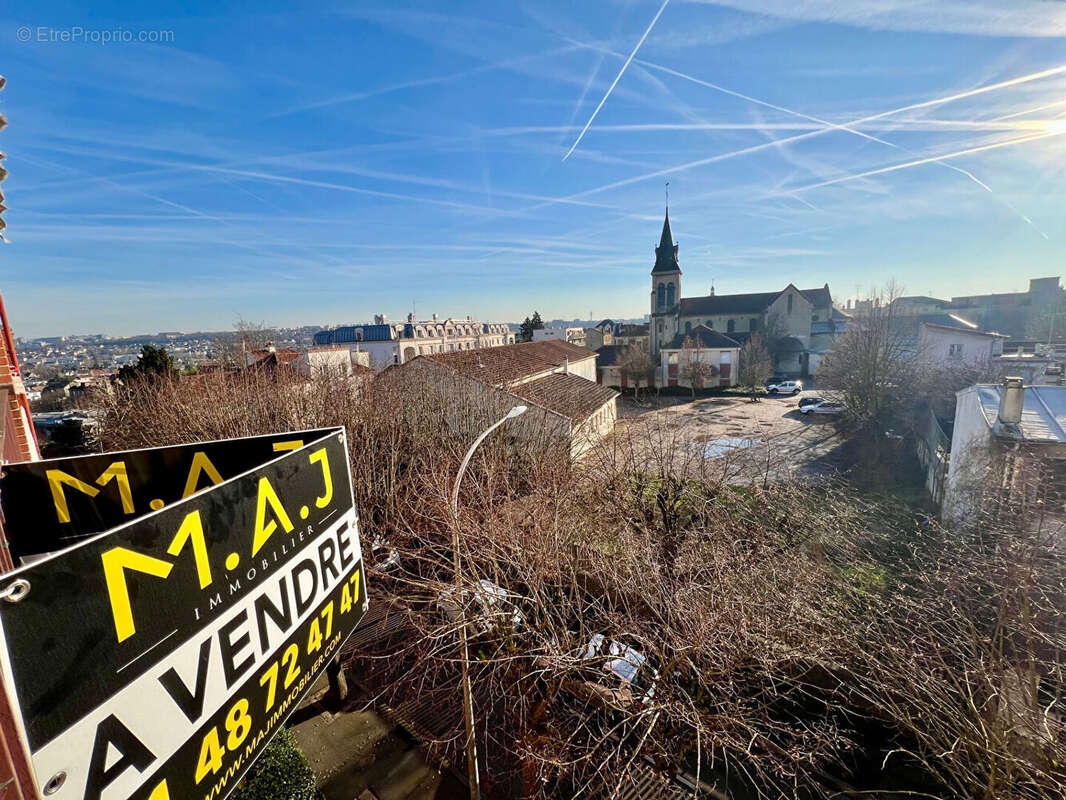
pixel 801 322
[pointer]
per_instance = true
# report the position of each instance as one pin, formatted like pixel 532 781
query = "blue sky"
pixel 324 161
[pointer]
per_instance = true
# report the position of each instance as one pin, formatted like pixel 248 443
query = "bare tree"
pixel 756 365
pixel 247 337
pixel 693 368
pixel 874 364
pixel 637 365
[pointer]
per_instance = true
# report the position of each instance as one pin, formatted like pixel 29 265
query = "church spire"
pixel 666 252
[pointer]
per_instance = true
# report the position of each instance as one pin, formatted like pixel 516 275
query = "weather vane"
pixel 668 194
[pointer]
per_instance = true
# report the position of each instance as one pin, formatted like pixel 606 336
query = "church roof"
pixel 752 303
pixel 666 252
pixel 705 337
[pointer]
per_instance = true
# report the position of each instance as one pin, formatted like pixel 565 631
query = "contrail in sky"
pixel 847 126
pixel 917 162
pixel 617 77
pixel 811 134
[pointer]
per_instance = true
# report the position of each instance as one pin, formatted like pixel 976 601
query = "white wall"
pixel 586 368
pixel 971 440
pixel 935 344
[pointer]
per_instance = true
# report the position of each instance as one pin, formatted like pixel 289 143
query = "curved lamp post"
pixel 468 700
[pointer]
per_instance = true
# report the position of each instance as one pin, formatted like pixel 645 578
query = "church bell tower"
pixel 665 289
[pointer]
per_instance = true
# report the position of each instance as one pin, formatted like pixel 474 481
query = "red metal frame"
pixel 16 771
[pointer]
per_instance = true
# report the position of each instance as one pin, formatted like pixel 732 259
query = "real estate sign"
pixel 157 659
pixel 50 505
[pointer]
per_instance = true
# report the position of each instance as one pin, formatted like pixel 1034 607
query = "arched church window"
pixel 662 296
pixel 790 304
pixel 731 325
pixel 670 294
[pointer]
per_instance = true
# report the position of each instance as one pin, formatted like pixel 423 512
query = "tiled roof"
pixel 706 337
pixel 567 394
pixel 363 371
pixel 632 329
pixel 503 366
pixel 753 303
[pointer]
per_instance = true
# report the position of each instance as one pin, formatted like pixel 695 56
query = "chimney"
pixel 566 365
pixel 1011 400
pixel 436 318
pixel 411 317
pixel 271 348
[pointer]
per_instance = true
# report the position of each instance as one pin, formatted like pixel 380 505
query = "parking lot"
pixel 769 432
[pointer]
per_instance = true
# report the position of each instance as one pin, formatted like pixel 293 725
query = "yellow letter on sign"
pixel 263 527
pixel 116 561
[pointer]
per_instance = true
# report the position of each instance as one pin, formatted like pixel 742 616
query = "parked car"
pixel 824 407
pixel 785 387
pixel 810 401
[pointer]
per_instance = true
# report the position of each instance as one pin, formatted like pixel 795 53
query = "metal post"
pixel 338 682
pixel 468 698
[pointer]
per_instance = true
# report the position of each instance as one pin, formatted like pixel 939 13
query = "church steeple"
pixel 666 252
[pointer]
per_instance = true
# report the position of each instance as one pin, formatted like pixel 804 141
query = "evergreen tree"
pixel 153 362
pixel 525 332
pixel 537 322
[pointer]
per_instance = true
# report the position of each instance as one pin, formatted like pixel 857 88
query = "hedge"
pixel 280 773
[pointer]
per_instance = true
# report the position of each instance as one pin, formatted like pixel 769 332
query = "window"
pixel 688 327
pixel 662 296
pixel 753 324
pixel 814 317
pixel 670 294
pixel 955 351
pixel 671 358
pixel 725 357
pixel 731 326
pixel 710 324
pixel 790 304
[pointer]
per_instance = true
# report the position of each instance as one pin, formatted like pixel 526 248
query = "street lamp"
pixel 468 700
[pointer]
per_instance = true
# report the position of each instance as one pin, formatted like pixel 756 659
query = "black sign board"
pixel 49 505
pixel 157 659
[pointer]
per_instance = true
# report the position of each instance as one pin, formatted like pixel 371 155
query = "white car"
pixel 824 407
pixel 785 387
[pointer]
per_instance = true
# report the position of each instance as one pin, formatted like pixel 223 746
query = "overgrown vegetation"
pixel 280 773
pixel 800 640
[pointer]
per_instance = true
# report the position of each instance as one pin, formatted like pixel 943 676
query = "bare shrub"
pixel 800 639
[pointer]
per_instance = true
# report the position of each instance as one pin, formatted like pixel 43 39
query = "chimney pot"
pixel 1011 400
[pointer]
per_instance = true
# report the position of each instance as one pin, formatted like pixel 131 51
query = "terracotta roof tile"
pixel 509 364
pixel 565 393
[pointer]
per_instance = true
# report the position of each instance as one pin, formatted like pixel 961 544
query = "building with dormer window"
pixel 391 343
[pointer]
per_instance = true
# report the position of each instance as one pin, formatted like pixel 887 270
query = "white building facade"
pixel 390 343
